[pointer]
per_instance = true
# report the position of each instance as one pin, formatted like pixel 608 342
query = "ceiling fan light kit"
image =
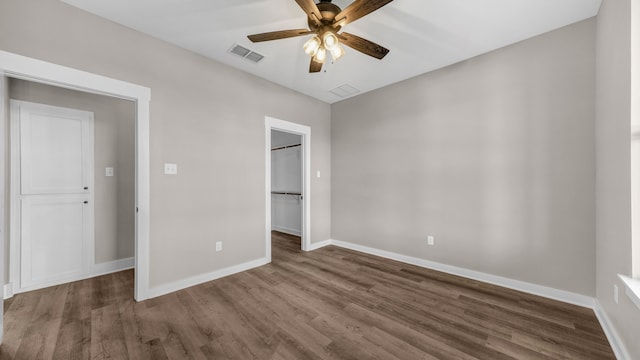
pixel 321 55
pixel 312 45
pixel 325 22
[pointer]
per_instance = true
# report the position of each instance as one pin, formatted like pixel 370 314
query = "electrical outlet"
pixel 430 240
pixel 218 246
pixel 170 169
pixel 615 293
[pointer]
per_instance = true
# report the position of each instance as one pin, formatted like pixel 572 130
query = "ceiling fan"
pixel 325 21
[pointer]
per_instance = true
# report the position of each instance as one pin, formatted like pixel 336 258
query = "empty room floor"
pixel 331 303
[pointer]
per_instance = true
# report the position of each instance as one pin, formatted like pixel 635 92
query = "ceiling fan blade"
pixel 358 9
pixel 315 66
pixel 311 9
pixel 363 45
pixel 276 35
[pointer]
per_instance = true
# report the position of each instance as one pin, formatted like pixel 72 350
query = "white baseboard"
pixel 199 279
pixel 610 331
pixel 113 266
pixel 565 296
pixel 286 230
pixel 98 270
pixel 544 291
pixel 8 291
pixel 318 245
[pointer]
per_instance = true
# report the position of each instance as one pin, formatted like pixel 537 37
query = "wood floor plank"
pixel 331 303
pixel 75 330
pixel 17 319
pixel 107 334
pixel 133 327
pixel 39 340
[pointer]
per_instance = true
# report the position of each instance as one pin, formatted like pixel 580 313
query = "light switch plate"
pixel 108 171
pixel 170 169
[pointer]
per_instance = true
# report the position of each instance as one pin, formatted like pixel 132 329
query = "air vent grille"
pixel 344 90
pixel 254 56
pixel 246 53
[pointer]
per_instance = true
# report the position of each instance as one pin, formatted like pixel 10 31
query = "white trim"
pixel 110 267
pixel 203 278
pixel 321 244
pixel 4 95
pixel 632 289
pixel 547 292
pixel 14 203
pixel 98 270
pixel 7 291
pixel 22 67
pixel 305 132
pixel 286 230
pixel 610 331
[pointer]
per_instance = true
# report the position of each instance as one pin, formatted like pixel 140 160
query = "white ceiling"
pixel 422 35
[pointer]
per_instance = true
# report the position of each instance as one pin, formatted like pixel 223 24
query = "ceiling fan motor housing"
pixel 328 11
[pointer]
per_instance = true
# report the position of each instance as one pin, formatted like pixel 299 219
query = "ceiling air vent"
pixel 344 90
pixel 246 53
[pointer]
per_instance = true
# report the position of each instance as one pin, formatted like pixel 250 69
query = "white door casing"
pixel 52 195
pixel 3 226
pixel 26 68
pixel 305 132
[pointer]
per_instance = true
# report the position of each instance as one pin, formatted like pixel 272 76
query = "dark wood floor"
pixel 328 304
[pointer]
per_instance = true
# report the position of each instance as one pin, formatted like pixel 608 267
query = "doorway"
pixel 21 67
pixel 101 167
pixel 286 184
pixel 287 180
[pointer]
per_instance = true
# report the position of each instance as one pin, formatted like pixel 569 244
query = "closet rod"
pixel 285 193
pixel 285 147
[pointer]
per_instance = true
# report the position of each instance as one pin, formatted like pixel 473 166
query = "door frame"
pixel 25 68
pixel 16 208
pixel 305 132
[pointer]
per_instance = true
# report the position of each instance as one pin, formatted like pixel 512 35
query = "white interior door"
pixel 52 181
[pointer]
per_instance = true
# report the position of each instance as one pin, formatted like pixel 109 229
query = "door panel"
pixel 53 238
pixel 54 198
pixel 51 145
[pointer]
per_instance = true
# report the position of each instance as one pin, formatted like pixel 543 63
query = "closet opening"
pixel 287 155
pixel 286 189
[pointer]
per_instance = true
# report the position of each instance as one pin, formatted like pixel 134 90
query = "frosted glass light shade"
pixel 330 40
pixel 321 55
pixel 337 52
pixel 312 45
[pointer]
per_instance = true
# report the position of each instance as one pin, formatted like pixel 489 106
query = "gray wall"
pixel 114 121
pixel 613 187
pixel 493 156
pixel 206 117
